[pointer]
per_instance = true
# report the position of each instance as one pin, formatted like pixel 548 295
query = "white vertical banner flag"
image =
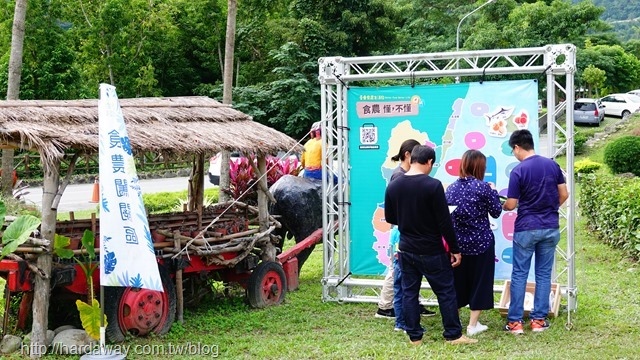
pixel 127 257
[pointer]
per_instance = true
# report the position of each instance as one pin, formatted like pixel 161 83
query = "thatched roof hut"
pixel 194 124
pixel 185 125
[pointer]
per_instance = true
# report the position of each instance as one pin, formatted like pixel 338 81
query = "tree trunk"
pixel 196 184
pixel 42 289
pixel 230 44
pixel 13 86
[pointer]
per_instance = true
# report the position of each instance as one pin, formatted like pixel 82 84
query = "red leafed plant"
pixel 242 176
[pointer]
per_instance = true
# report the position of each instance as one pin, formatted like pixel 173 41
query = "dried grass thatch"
pixel 194 124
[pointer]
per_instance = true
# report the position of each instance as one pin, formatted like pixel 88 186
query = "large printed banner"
pixel 450 118
pixel 127 257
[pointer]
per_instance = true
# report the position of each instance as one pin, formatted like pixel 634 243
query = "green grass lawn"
pixel 306 328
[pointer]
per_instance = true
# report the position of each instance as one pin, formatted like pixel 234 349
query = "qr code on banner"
pixel 368 135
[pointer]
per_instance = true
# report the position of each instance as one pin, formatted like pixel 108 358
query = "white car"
pixel 214 166
pixel 620 104
pixel 635 92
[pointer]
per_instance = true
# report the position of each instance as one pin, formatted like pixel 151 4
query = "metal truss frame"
pixel 557 61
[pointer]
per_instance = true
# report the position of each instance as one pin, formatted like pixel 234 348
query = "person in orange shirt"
pixel 312 155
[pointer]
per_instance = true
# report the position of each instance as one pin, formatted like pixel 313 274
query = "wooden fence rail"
pixel 28 166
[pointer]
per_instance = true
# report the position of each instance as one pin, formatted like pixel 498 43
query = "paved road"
pixel 77 197
pixel 543 147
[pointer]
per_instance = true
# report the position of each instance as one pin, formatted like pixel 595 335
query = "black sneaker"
pixel 386 314
pixel 426 312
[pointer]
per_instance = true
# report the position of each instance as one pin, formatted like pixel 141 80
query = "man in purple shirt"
pixel 537 187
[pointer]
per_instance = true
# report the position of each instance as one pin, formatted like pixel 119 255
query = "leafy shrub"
pixel 161 202
pixel 579 139
pixel 623 155
pixel 612 206
pixel 276 168
pixel 242 177
pixel 586 166
pixel 15 207
pixel 164 202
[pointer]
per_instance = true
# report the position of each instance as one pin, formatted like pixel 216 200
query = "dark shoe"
pixel 539 325
pixel 386 314
pixel 514 327
pixel 426 312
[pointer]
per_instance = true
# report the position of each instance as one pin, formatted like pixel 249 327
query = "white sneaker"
pixel 474 330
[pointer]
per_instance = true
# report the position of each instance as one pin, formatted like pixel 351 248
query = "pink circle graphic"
pixel 475 140
pixel 453 167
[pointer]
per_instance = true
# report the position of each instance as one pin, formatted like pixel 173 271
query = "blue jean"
pixel 543 244
pixel 316 175
pixel 397 295
pixel 439 273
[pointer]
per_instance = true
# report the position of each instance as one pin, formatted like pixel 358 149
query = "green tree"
pixel 622 69
pixel 633 47
pixel 49 68
pixel 428 26
pixel 594 78
pixel 356 27
pixel 295 95
pixel 135 45
pixel 195 54
pixel 538 24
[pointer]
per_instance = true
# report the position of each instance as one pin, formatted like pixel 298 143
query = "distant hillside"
pixel 619 9
pixel 622 14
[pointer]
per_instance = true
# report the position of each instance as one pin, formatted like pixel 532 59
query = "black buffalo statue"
pixel 299 205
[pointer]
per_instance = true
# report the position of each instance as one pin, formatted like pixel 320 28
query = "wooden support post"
pixel 262 186
pixel 42 288
pixel 179 290
pixel 94 223
pixel 196 185
pixel 268 249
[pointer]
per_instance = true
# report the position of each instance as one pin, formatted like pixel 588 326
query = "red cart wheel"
pixel 140 312
pixel 267 285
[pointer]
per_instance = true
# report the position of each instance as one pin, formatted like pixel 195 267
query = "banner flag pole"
pixel 127 256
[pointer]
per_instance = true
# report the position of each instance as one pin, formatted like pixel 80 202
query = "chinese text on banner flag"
pixel 127 256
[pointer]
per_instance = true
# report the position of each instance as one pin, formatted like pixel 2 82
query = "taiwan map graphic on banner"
pixel 450 118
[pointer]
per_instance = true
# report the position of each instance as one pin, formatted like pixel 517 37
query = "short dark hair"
pixel 407 145
pixel 473 163
pixel 522 138
pixel 421 154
